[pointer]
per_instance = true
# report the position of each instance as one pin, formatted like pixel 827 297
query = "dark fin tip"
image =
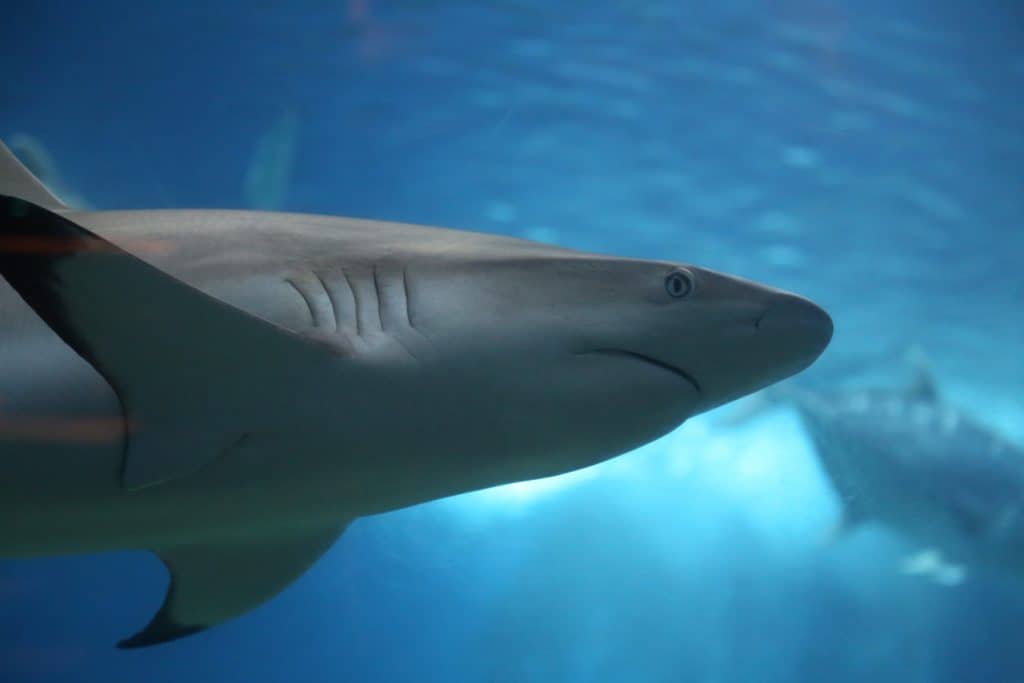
pixel 14 206
pixel 158 631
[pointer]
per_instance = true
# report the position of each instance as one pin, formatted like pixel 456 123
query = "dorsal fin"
pixel 18 181
pixel 922 386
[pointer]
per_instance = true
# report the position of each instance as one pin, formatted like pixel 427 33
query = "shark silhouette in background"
pixel 230 389
pixel 915 463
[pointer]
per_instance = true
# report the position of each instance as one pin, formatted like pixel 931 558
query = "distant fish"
pixel 907 459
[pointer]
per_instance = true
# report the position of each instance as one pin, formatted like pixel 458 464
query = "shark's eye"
pixel 678 284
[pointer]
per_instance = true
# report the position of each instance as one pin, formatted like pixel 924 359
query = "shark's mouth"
pixel 679 372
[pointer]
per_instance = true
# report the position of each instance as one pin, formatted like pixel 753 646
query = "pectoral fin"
pixel 213 582
pixel 193 373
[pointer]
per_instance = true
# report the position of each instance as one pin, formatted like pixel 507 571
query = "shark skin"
pixel 230 389
pixel 911 461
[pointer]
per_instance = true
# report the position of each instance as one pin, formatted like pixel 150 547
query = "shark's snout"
pixel 799 321
pixel 762 335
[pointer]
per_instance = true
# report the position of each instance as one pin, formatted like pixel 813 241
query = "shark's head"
pixel 605 353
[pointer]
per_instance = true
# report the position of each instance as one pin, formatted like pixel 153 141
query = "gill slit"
pixel 408 301
pixel 330 298
pixel 355 299
pixel 306 299
pixel 380 301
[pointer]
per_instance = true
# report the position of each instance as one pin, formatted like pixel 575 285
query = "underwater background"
pixel 869 155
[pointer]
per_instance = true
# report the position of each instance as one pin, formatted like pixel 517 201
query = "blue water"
pixel 869 155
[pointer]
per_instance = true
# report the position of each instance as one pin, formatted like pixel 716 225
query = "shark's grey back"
pixel 246 257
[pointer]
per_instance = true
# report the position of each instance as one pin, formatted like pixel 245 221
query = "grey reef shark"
pixel 911 461
pixel 230 389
